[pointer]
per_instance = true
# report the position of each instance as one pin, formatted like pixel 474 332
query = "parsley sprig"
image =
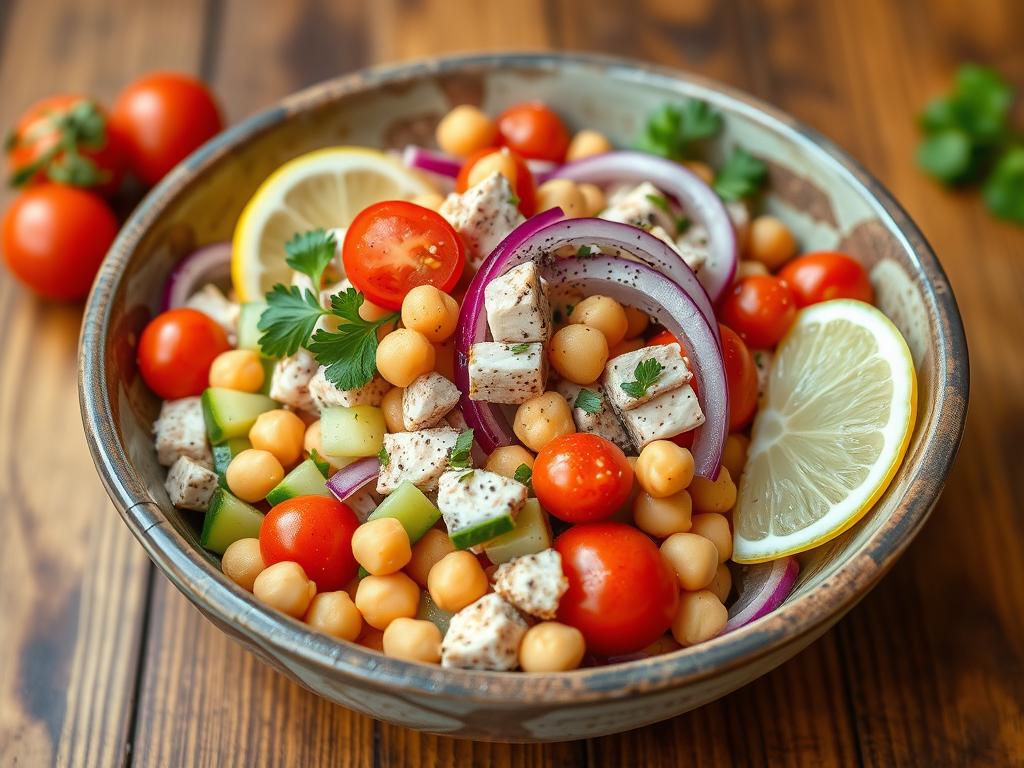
pixel 588 400
pixel 350 353
pixel 741 176
pixel 524 475
pixel 460 457
pixel 672 130
pixel 645 374
pixel 383 457
pixel 310 253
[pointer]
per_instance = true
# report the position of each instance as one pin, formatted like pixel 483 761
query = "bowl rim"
pixel 278 636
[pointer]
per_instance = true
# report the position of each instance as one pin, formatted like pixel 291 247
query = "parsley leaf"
pixel 1004 189
pixel 583 252
pixel 350 353
pixel 383 456
pixel 660 201
pixel 519 349
pixel 465 477
pixel 741 176
pixel 646 373
pixel 289 318
pixel 682 224
pixel 514 199
pixel 459 457
pixel 524 475
pixel 323 466
pixel 673 129
pixel 310 253
pixel 588 400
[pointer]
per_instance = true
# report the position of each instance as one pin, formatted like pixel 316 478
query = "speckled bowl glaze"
pixel 816 188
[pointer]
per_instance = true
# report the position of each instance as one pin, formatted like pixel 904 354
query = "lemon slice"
pixel 321 189
pixel 836 420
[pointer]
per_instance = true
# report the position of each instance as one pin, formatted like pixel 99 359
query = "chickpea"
pixel 713 495
pixel 551 647
pixel 413 639
pixel 465 130
pixel 664 644
pixel 587 143
pixel 252 474
pixel 382 599
pixel 431 200
pixel 457 580
pixel 507 459
pixel 543 418
pixel 286 587
pixel 371 638
pixel 239 369
pixel 313 441
pixel 700 617
pixel 242 562
pixel 734 456
pixel 498 161
pixel 381 546
pixel 372 312
pixel 625 346
pixel 593 198
pixel 430 311
pixel 692 557
pixel 334 614
pixel 714 527
pixel 771 242
pixel 426 553
pixel 579 353
pixel 603 313
pixel 403 356
pixel 662 517
pixel 392 407
pixel 750 268
pixel 636 322
pixel 721 585
pixel 281 433
pixel 702 170
pixel 664 468
pixel 564 194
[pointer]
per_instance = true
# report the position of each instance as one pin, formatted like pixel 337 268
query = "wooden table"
pixel 102 662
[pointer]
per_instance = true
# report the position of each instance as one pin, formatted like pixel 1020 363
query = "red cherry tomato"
pixel 161 118
pixel 534 131
pixel 38 147
pixel 55 237
pixel 394 246
pixel 825 275
pixel 315 532
pixel 760 309
pixel 622 595
pixel 582 477
pixel 176 350
pixel 522 184
pixel 741 374
pixel 664 337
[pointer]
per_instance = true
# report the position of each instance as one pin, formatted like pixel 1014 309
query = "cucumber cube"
pixel 227 520
pixel 248 332
pixel 305 480
pixel 411 508
pixel 429 611
pixel 355 431
pixel 532 534
pixel 224 452
pixel 229 413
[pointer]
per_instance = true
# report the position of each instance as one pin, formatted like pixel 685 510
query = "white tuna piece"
pixel 604 423
pixel 533 583
pixel 665 416
pixel 289 384
pixel 484 635
pixel 642 206
pixel 483 215
pixel 325 395
pixel 181 431
pixel 517 306
pixel 419 457
pixel 470 498
pixel 506 373
pixel 622 370
pixel 190 485
pixel 427 401
pixel 214 304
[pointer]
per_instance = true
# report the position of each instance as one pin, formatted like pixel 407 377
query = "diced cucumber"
pixel 532 534
pixel 248 332
pixel 411 508
pixel 227 520
pixel 482 531
pixel 268 374
pixel 229 413
pixel 438 617
pixel 224 452
pixel 305 480
pixel 355 431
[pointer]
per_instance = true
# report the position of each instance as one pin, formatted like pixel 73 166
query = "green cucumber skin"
pixel 224 452
pixel 218 427
pixel 305 480
pixel 481 532
pixel 422 517
pixel 532 534
pixel 248 319
pixel 228 520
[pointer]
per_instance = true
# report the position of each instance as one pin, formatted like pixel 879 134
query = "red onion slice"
pixel 347 480
pixel 762 589
pixel 698 200
pixel 209 264
pixel 431 161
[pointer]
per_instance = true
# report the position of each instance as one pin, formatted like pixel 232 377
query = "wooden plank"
pixel 72 579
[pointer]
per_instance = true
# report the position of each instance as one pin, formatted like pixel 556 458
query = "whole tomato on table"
pixel 315 532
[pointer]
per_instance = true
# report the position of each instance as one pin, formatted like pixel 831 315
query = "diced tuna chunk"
pixel 325 395
pixel 665 416
pixel 643 206
pixel 211 301
pixel 483 215
pixel 190 485
pixel 181 431
pixel 419 457
pixel 533 583
pixel 506 373
pixel 604 422
pixel 517 306
pixel 484 635
pixel 476 498
pixel 427 400
pixel 289 384
pixel 622 370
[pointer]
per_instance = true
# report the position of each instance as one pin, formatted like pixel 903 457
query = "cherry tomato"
pixel 523 183
pixel 392 247
pixel 741 374
pixel 760 309
pixel 582 477
pixel 534 131
pixel 55 237
pixel 65 139
pixel 176 350
pixel 161 118
pixel 622 595
pixel 315 532
pixel 825 275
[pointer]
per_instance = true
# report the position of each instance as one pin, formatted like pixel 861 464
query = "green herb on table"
pixel 741 176
pixel 645 374
pixel 672 130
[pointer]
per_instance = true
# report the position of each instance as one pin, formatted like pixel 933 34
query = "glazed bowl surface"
pixel 829 201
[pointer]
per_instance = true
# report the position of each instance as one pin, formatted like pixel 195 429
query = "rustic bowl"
pixel 826 197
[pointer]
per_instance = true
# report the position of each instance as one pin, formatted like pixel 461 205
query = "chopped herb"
pixel 524 475
pixel 288 320
pixel 519 349
pixel 583 251
pixel 645 374
pixel 588 400
pixel 556 315
pixel 672 130
pixel 514 200
pixel 310 253
pixel 465 477
pixel 741 176
pixel 349 353
pixel 323 466
pixel 682 224
pixel 659 201
pixel 383 456
pixel 460 455
pixel 1004 189
pixel 568 309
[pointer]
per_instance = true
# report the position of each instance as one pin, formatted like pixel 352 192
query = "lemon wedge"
pixel 837 416
pixel 321 189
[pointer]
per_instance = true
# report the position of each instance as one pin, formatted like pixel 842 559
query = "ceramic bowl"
pixel 829 200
